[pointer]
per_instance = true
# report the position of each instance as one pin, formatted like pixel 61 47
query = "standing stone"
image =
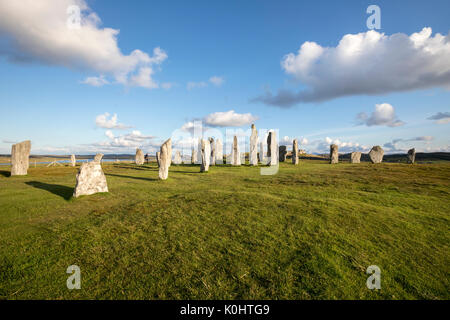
pixel 158 157
pixel 90 179
pixel 193 156
pixel 213 152
pixel 177 158
pixel 376 154
pixel 235 154
pixel 411 156
pixel 98 157
pixel 199 151
pixel 253 147
pixel 282 151
pixel 219 152
pixel 295 151
pixel 139 158
pixel 73 160
pixel 206 155
pixel 355 157
pixel 261 153
pixel 272 148
pixel 20 158
pixel 334 154
pixel 165 159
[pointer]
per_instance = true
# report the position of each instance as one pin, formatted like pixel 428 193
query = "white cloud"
pixel 192 85
pixel 217 81
pixel 441 117
pixel 107 122
pixel 304 141
pixel 384 115
pixel 367 63
pixel 37 30
pixel 96 81
pixel 229 119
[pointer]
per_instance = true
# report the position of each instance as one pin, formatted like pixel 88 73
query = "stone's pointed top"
pixel 253 126
pixel 98 157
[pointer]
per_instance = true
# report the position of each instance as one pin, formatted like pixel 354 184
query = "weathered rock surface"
pixel 194 156
pixel 253 156
pixel 219 152
pixel 158 156
pixel 355 157
pixel 206 155
pixel 334 154
pixel 98 157
pixel 411 156
pixel 212 146
pixel 139 158
pixel 73 160
pixel 165 159
pixel 262 158
pixel 90 179
pixel 199 151
pixel 235 154
pixel 177 158
pixel 376 154
pixel 20 158
pixel 295 151
pixel 282 151
pixel 272 148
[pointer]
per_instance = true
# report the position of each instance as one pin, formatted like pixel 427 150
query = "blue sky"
pixel 223 61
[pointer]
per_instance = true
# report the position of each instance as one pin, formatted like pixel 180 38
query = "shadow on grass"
pixel 62 191
pixel 5 173
pixel 131 177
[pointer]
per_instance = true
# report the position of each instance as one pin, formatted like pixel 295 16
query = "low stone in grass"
pixel 139 158
pixel 376 154
pixel 90 179
pixel 355 157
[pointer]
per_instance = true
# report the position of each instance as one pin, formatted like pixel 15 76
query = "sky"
pixel 84 77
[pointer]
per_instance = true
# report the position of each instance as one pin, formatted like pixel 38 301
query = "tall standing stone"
pixel 139 158
pixel 213 152
pixel 355 157
pixel 253 156
pixel 98 158
pixel 193 156
pixel 73 160
pixel 272 148
pixel 411 156
pixel 334 153
pixel 376 154
pixel 20 158
pixel 90 179
pixel 158 157
pixel 282 151
pixel 235 154
pixel 295 151
pixel 165 159
pixel 177 158
pixel 219 152
pixel 206 155
pixel 199 151
pixel 261 153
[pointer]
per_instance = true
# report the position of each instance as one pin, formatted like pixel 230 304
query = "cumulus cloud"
pixel 367 63
pixel 440 117
pixel 215 80
pixel 323 145
pixel 393 146
pixel 384 115
pixel 229 119
pixel 40 31
pixel 109 122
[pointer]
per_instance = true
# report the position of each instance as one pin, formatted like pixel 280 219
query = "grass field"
pixel 309 232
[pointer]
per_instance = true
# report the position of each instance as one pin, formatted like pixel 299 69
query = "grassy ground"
pixel 309 232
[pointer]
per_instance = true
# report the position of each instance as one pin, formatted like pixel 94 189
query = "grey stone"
pixel 194 156
pixel 199 151
pixel 272 148
pixel 282 151
pixel 295 151
pixel 98 157
pixel 139 158
pixel 20 158
pixel 235 154
pixel 177 158
pixel 206 155
pixel 376 154
pixel 158 156
pixel 262 159
pixel 334 154
pixel 73 160
pixel 355 157
pixel 213 152
pixel 411 156
pixel 165 159
pixel 90 179
pixel 253 156
pixel 219 152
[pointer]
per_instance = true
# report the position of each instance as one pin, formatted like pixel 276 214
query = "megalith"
pixel 253 156
pixel 261 153
pixel 272 148
pixel 213 152
pixel 90 179
pixel 139 158
pixel 376 154
pixel 98 157
pixel 235 154
pixel 295 151
pixel 219 151
pixel 334 154
pixel 73 160
pixel 355 157
pixel 193 156
pixel 206 155
pixel 165 159
pixel 177 158
pixel 411 156
pixel 158 156
pixel 20 158
pixel 282 151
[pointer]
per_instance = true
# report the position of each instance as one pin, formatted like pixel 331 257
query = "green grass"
pixel 309 232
